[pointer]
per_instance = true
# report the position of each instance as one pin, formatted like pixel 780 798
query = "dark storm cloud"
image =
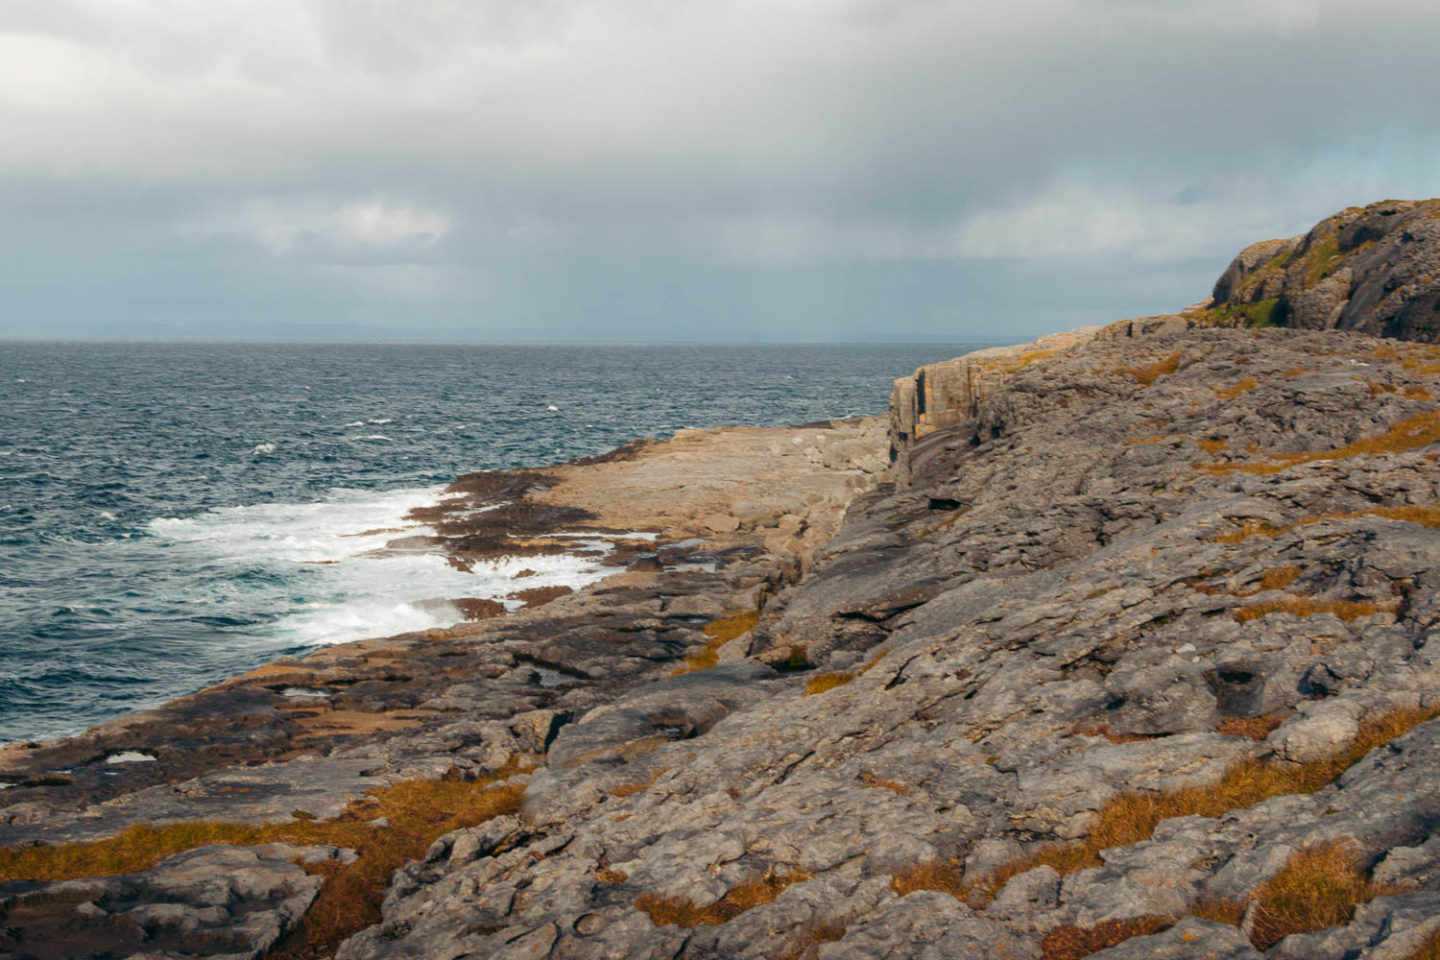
pixel 845 169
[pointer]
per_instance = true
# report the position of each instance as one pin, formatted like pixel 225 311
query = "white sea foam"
pixel 331 576
pixel 356 423
pixel 380 420
pixel 130 756
pixel 263 448
pixel 375 436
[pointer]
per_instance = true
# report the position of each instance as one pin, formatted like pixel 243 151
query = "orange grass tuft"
pixel 718 633
pixel 807 943
pixel 418 811
pixel 899 789
pixel 1114 736
pixel 1212 447
pixel 1308 607
pixel 1318 887
pixel 1230 912
pixel 1244 386
pixel 825 682
pixel 1425 514
pixel 1068 942
pixel 1254 728
pixel 639 786
pixel 1149 373
pixel 747 895
pixel 942 875
pixel 1409 434
pixel 1132 817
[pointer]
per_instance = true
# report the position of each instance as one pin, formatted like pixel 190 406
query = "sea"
pixel 172 514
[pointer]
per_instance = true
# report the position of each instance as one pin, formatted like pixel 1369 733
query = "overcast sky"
pixel 808 170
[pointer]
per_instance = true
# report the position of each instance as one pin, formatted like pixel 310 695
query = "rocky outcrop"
pixel 1144 563
pixel 1372 270
pixel 940 395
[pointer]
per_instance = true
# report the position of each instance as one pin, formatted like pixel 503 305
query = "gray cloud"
pixel 845 169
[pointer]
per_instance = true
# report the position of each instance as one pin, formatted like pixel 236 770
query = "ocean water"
pixel 172 514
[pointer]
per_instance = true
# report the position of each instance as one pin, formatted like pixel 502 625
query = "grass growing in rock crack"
pixel 1068 942
pixel 1425 514
pixel 1308 607
pixel 825 682
pixel 418 811
pixel 1132 817
pixel 1149 373
pixel 1253 728
pixel 807 942
pixel 719 632
pixel 1319 886
pixel 1409 434
pixel 746 895
pixel 638 786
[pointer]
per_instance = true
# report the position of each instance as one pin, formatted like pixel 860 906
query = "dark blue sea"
pixel 172 514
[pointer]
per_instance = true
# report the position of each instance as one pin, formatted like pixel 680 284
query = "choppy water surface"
pixel 172 514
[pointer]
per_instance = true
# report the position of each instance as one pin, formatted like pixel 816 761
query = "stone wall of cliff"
pixel 1373 270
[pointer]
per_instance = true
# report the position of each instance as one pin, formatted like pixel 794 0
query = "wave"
pixel 312 574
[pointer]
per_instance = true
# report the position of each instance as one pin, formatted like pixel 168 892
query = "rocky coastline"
pixel 1115 644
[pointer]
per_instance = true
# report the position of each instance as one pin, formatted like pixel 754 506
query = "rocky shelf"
pixel 1123 651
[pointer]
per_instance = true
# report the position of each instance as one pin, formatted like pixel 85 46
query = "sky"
pixel 732 170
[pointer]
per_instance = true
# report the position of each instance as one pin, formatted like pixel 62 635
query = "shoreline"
pixel 663 508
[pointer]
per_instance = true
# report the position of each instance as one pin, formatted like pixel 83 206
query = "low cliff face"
pixel 1373 270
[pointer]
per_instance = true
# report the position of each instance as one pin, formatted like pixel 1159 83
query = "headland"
pixel 1113 645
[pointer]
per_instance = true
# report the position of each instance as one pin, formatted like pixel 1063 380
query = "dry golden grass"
pixel 899 789
pixel 1409 434
pixel 611 876
pixel 639 786
pixel 1067 942
pixel 1308 607
pixel 1318 887
pixel 1293 372
pixel 418 811
pixel 1278 578
pixel 1416 392
pixel 942 875
pixel 718 633
pixel 1132 817
pixel 1103 730
pixel 1244 386
pixel 1230 912
pixel 1213 447
pixel 1149 373
pixel 825 682
pixel 1254 728
pixel 746 895
pixel 807 943
pixel 1425 514
pixel 1024 360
